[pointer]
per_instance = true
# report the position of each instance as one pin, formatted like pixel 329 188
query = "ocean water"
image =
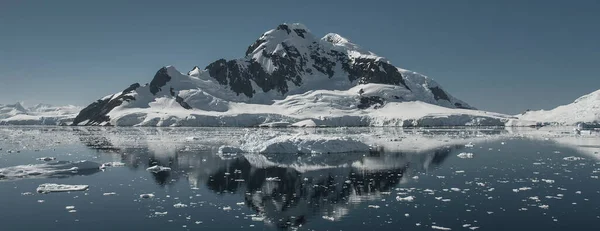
pixel 412 179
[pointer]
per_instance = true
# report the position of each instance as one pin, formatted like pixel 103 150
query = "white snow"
pixel 40 114
pixel 48 188
pixel 320 100
pixel 585 109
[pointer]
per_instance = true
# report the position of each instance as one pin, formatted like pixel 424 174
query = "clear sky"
pixel 504 56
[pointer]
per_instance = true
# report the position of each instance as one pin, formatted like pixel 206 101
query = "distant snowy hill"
pixel 287 76
pixel 585 109
pixel 40 114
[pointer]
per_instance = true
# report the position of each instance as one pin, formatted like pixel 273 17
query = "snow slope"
pixel 40 114
pixel 287 76
pixel 585 109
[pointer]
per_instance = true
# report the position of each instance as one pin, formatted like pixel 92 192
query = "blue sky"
pixel 504 56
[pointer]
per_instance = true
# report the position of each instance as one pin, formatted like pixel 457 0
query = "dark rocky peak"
pixel 160 79
pixel 290 33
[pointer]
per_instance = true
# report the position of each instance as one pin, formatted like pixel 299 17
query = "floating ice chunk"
pixel 548 181
pixel 459 171
pixel 147 196
pixel 27 194
pixel 157 168
pixel 407 199
pixel 480 184
pixel 465 155
pixel 578 192
pixel 544 206
pixel 161 213
pixel 112 164
pixel 572 158
pixel 48 170
pixel 535 198
pixel 257 218
pixel 48 188
pixel 407 215
pixel 455 189
pixel 466 225
pixel 241 203
pixel 229 150
pixel 47 158
pixel 226 208
pixel 469 145
pixel 109 194
pixel 440 227
pixel 272 179
pixel 180 205
pixel 373 206
pixel 328 218
pixel 70 207
pixel 191 138
pixel 73 211
pixel 474 228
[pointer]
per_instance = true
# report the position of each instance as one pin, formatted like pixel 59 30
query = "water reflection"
pixel 287 189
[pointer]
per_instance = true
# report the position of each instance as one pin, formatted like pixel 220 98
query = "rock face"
pixel 286 61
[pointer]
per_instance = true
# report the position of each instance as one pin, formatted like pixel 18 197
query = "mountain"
pixel 288 75
pixel 40 114
pixel 584 110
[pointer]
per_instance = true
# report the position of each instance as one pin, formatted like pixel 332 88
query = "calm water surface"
pixel 513 182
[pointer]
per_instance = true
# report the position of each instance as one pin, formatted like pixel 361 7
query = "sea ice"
pixel 50 169
pixel 465 155
pixel 48 188
pixel 157 168
pixel 147 196
pixel 407 199
pixel 440 227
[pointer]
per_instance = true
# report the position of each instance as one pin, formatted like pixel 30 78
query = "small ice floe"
pixel 72 211
pixel 502 143
pixel 474 228
pixel 161 213
pixel 415 177
pixel 557 152
pixel 70 207
pixel 407 215
pixel 544 206
pixel 440 227
pixel 578 192
pixel 229 150
pixel 272 179
pixel 191 138
pixel 241 203
pixel 469 145
pixel 572 158
pixel 480 184
pixel 455 189
pixel 521 189
pixel 459 171
pixel 329 218
pixel 48 188
pixel 47 158
pixel 109 194
pixel 112 164
pixel 147 196
pixel 226 208
pixel 257 218
pixel 548 181
pixel 535 198
pixel 180 205
pixel 158 168
pixel 40 201
pixel 407 199
pixel 465 155
pixel 373 206
pixel 27 194
pixel 49 170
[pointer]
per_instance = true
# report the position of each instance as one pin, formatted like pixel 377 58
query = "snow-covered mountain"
pixel 288 75
pixel 39 114
pixel 584 110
